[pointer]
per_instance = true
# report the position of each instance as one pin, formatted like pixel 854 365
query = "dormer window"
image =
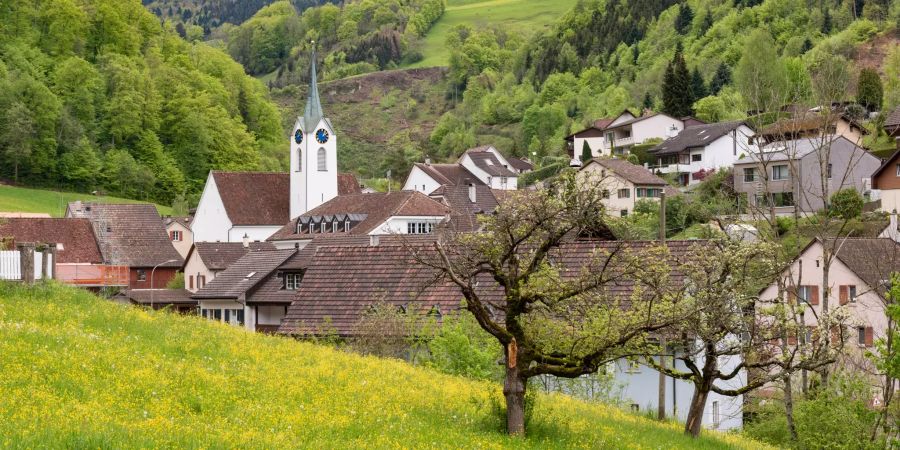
pixel 322 227
pixel 250 275
pixel 334 226
pixel 292 281
pixel 310 230
pixel 346 226
pixel 299 227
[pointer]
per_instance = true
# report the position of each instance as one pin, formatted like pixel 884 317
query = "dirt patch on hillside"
pixel 871 54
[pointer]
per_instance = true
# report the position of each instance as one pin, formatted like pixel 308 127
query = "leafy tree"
pixel 847 203
pixel 763 86
pixel 18 133
pixel 720 79
pixel 461 347
pixel 869 91
pixel 677 95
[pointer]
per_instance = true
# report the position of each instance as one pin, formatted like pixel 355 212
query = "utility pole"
pixel 661 401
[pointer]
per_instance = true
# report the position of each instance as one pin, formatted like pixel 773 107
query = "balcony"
pixel 90 275
pixel 671 168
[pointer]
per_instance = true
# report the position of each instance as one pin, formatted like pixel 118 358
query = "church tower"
pixel 313 154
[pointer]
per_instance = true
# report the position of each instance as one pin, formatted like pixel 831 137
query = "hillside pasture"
pixel 19 199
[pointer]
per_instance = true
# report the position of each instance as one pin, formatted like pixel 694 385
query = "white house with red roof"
pixel 483 165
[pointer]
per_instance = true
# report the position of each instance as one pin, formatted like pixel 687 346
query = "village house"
pixel 859 277
pixel 615 136
pixel 520 165
pixel 467 203
pixel 892 123
pixel 788 174
pixel 257 204
pixel 179 229
pixel 178 300
pixel 699 150
pixel 78 260
pixel 403 212
pixel 207 259
pixel 812 125
pixel 623 184
pixel 132 236
pixel 339 288
pixel 480 165
pixel 886 179
pixel 253 292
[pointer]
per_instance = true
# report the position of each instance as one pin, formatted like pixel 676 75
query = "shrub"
pixel 461 347
pixel 846 203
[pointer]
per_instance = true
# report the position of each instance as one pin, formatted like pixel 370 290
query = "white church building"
pixel 255 205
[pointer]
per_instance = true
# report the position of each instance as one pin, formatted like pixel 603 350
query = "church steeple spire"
pixel 313 113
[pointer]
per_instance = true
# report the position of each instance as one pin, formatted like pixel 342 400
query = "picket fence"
pixel 11 265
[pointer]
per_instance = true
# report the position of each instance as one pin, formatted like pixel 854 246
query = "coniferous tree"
pixel 648 101
pixel 677 95
pixel 721 79
pixel 684 18
pixel 869 91
pixel 586 154
pixel 698 86
pixel 707 23
pixel 826 22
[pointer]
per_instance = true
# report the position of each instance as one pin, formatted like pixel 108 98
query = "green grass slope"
pixel 514 16
pixel 17 199
pixel 77 371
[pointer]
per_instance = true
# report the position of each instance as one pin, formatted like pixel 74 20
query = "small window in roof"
pixel 250 275
pixel 489 162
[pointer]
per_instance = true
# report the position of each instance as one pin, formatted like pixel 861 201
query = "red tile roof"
pixel 129 234
pixel 263 198
pixel 159 296
pixel 375 207
pixel 244 275
pixel 76 236
pixel 342 283
pixel 633 173
pixel 451 174
pixel 220 255
pixel 488 162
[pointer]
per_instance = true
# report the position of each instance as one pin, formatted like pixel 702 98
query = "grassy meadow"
pixel 514 16
pixel 29 200
pixel 78 371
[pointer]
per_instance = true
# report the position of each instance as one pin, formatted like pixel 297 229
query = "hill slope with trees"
pixel 99 95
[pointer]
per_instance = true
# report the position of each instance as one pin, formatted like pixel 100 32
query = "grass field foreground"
pixel 18 199
pixel 514 16
pixel 78 371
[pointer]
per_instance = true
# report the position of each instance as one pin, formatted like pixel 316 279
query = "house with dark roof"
pixel 593 135
pixel 403 212
pixel 255 204
pixel 207 259
pixel 78 260
pixel 178 300
pixel 623 184
pixel 812 124
pixel 520 165
pixel 859 277
pixel 886 179
pixel 788 174
pixel 700 150
pixel 625 131
pixel 480 165
pixel 133 236
pixel 467 203
pixel 342 283
pixel 892 123
pixel 179 229
pixel 253 292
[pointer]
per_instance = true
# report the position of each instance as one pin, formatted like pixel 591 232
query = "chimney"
pixel 246 241
pixel 427 161
pixel 472 192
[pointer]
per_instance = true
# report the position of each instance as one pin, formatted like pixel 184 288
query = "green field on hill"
pixel 17 199
pixel 78 371
pixel 514 16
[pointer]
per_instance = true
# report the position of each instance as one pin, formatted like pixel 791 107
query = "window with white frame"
pixel 696 157
pixel 851 293
pixel 346 226
pixel 861 336
pixel 292 281
pixel 749 175
pixel 716 414
pixel 322 160
pixel 175 235
pixel 322 226
pixel 804 293
pixel 334 226
pixel 780 172
pixel 299 227
pixel 233 316
pixel 625 193
pixel 419 227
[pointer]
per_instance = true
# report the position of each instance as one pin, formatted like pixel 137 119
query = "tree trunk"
pixel 789 407
pixel 514 391
pixel 695 414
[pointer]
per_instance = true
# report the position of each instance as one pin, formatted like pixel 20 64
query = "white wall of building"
pixel 659 126
pixel 210 222
pixel 194 267
pixel 254 232
pixel 187 237
pixel 399 224
pixel 419 181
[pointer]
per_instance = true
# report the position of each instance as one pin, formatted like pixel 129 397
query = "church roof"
pixel 313 112
pixel 263 198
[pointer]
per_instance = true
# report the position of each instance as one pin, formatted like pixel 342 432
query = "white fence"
pixel 11 265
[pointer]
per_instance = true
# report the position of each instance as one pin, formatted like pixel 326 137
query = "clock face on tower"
pixel 298 136
pixel 322 135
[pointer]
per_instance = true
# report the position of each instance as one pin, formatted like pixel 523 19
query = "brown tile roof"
pixel 463 212
pixel 635 174
pixel 220 255
pixel 344 282
pixel 488 162
pixel 695 136
pixel 76 236
pixel 183 220
pixel 892 122
pixel 129 234
pixel 372 209
pixel 872 259
pixel 263 198
pixel 449 173
pixel 271 291
pixel 786 128
pixel 520 164
pixel 159 296
pixel 348 184
pixel 245 274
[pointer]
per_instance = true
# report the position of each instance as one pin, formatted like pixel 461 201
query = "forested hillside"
pixel 210 14
pixel 98 95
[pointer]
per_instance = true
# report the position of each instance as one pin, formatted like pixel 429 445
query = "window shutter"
pixel 814 295
pixel 191 282
pixel 792 339
pixel 171 235
pixel 792 296
pixel 844 294
pixel 870 338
